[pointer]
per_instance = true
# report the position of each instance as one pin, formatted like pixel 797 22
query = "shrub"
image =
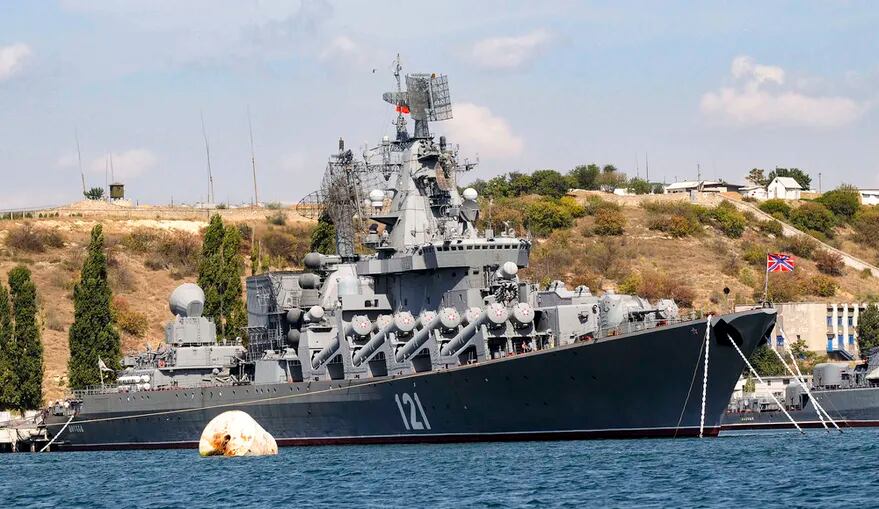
pixel 844 201
pixel 609 222
pixel 544 216
pixel 755 254
pixel 290 245
pixel 177 251
pixel 33 240
pixel 596 203
pixel 775 206
pixel 799 245
pixel 631 284
pixel 675 225
pixel 866 224
pixel 610 257
pixel 783 287
pixel 771 227
pixel 829 262
pixel 747 277
pixel 279 218
pixel 141 241
pixel 575 209
pixel 866 274
pixel 749 199
pixel 273 205
pixel 822 286
pixel 813 216
pixel 727 219
pixel 95 193
pixel 128 320
pixel 657 285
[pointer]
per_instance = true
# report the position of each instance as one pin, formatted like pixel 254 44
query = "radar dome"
pixel 470 194
pixel 187 300
pixel 377 195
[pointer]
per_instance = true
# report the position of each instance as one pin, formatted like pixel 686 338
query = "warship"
pixel 849 395
pixel 419 329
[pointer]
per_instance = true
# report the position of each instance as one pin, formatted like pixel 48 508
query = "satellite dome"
pixel 377 195
pixel 187 300
pixel 470 194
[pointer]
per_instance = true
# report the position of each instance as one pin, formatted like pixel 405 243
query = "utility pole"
pixel 647 166
pixel 698 172
pixel 252 159
pixel 79 158
pixel 819 182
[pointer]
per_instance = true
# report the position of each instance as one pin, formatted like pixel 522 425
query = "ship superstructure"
pixel 419 328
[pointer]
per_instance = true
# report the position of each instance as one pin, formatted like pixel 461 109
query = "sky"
pixel 722 86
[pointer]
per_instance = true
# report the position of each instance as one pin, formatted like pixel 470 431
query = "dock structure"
pixel 22 435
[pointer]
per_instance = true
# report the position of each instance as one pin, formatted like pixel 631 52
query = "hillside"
pixel 147 259
pixel 628 244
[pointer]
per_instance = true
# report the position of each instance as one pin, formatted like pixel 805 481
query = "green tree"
pixel 27 338
pixel 234 315
pixel 639 186
pixel 868 329
pixel 544 216
pixel 844 201
pixel 757 177
pixel 549 183
pixel 93 334
pixel 323 237
pixel 802 178
pixel 219 275
pixel 95 193
pixel 584 176
pixel 766 363
pixel 520 184
pixel 8 355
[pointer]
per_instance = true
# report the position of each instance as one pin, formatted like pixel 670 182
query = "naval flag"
pixel 779 262
pixel 102 366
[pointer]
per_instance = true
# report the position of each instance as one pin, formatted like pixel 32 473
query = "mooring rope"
pixel 802 380
pixel 789 370
pixel 754 371
pixel 705 375
pixel 56 435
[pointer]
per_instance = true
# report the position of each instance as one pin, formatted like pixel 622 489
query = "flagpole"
pixel 766 282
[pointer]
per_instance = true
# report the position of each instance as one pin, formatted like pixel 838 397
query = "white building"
pixel 703 186
pixel 756 192
pixel 785 188
pixel 869 196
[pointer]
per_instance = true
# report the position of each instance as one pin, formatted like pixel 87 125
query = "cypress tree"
pixel 210 269
pixel 219 275
pixel 233 268
pixel 93 333
pixel 27 338
pixel 323 237
pixel 8 355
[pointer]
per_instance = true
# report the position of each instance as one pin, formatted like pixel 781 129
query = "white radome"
pixel 377 195
pixel 470 194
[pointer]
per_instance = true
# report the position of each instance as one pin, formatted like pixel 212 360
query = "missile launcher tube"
pixel 326 354
pixel 373 344
pixel 418 339
pixel 466 333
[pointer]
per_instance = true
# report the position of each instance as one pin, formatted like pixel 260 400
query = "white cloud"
pixel 12 59
pixel 509 52
pixel 126 164
pixel 759 98
pixel 479 130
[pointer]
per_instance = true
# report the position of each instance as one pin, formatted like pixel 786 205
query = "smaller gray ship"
pixel 849 394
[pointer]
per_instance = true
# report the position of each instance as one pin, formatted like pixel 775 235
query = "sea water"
pixel 757 469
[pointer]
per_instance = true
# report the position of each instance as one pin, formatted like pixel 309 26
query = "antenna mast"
pixel 207 150
pixel 252 159
pixel 112 170
pixel 647 166
pixel 79 158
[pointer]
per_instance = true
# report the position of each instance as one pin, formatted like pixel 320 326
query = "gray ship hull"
pixel 644 384
pixel 848 407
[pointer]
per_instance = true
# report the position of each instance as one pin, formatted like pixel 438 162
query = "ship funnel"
pixel 187 300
